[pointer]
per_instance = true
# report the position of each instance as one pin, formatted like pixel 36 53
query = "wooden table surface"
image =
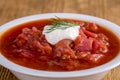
pixel 12 9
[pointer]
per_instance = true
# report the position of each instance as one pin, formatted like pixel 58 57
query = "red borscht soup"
pixel 26 45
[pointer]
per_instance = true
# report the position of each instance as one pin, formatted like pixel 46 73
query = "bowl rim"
pixel 51 74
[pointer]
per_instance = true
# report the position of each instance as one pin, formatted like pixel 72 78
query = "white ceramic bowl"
pixel 96 73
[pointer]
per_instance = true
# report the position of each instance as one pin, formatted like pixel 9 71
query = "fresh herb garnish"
pixel 59 24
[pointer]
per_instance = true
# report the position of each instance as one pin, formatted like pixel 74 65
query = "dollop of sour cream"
pixel 57 35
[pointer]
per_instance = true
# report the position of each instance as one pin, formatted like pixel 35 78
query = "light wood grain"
pixel 12 9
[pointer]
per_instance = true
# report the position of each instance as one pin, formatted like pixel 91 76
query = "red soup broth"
pixel 47 60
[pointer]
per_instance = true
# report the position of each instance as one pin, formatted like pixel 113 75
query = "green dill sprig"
pixel 59 24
